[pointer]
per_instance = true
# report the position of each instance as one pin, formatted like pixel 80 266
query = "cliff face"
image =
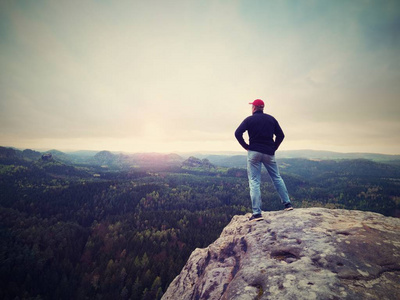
pixel 311 253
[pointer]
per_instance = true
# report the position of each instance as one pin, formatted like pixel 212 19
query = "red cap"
pixel 257 102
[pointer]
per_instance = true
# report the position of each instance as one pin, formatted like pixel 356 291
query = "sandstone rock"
pixel 312 253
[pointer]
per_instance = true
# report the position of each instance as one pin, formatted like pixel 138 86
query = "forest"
pixel 122 227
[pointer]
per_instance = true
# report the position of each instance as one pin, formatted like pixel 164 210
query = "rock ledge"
pixel 312 253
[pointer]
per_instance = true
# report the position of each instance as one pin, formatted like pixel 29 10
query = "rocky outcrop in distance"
pixel 194 162
pixel 312 253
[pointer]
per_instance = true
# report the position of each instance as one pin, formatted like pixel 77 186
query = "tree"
pixel 137 289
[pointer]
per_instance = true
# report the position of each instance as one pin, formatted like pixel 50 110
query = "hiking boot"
pixel 288 206
pixel 257 217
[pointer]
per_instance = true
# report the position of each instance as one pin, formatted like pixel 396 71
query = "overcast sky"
pixel 168 76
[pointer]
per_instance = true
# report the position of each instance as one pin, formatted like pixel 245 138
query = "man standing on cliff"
pixel 261 149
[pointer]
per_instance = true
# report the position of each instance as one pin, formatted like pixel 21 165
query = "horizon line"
pixel 196 152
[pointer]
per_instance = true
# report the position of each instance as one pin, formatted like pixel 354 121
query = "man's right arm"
pixel 279 135
pixel 239 135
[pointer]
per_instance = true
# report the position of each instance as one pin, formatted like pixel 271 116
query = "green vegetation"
pixel 83 231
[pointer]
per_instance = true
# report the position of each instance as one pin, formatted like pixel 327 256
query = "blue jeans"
pixel 254 161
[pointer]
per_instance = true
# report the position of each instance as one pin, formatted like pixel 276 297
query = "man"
pixel 261 149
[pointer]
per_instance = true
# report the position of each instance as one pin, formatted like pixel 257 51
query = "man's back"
pixel 261 128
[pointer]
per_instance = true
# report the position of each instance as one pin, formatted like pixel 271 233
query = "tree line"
pixel 67 234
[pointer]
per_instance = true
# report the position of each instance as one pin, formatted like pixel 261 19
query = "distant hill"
pixel 105 158
pixel 7 152
pixel 83 153
pixel 142 160
pixel 236 161
pixel 160 160
pixel 27 154
pixel 31 154
pixel 156 157
pixel 240 161
pixel 315 154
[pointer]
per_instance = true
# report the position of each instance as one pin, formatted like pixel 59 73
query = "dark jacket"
pixel 261 129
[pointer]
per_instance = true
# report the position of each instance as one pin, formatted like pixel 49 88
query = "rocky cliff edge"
pixel 312 253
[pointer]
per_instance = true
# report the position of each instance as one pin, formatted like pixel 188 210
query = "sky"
pixel 177 76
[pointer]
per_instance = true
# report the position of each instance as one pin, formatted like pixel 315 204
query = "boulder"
pixel 313 253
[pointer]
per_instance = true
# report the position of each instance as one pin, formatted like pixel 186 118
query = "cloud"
pixel 181 73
